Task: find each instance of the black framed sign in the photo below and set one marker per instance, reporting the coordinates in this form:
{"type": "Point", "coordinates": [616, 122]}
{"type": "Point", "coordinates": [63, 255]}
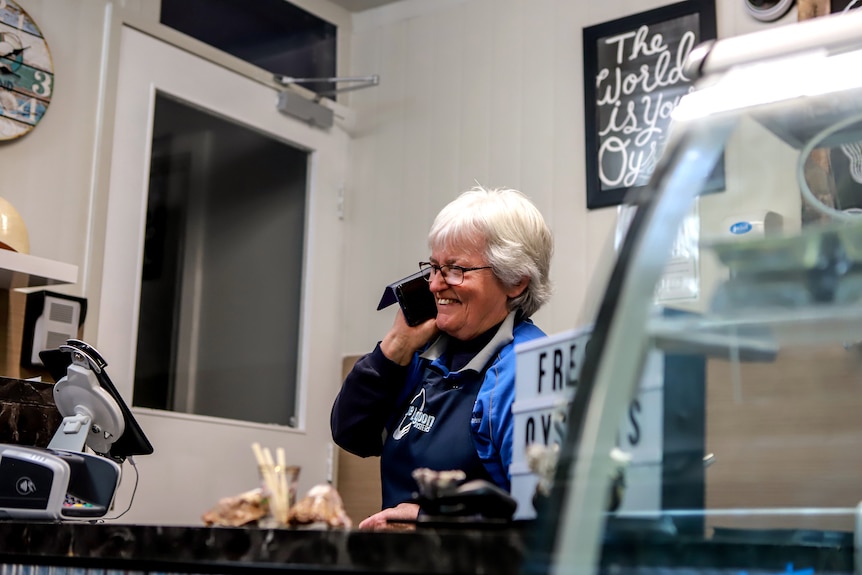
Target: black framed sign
{"type": "Point", "coordinates": [633, 79]}
{"type": "Point", "coordinates": [844, 5]}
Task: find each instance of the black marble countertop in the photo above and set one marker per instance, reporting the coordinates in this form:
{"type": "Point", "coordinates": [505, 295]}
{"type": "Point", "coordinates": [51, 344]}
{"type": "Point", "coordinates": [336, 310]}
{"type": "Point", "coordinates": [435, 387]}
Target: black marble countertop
{"type": "Point", "coordinates": [177, 549]}
{"type": "Point", "coordinates": [28, 415]}
{"type": "Point", "coordinates": [98, 547]}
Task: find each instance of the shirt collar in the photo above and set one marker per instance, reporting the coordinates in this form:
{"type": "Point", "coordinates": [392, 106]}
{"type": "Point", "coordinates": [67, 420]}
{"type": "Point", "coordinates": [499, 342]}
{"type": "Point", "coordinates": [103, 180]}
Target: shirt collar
{"type": "Point", "coordinates": [504, 335]}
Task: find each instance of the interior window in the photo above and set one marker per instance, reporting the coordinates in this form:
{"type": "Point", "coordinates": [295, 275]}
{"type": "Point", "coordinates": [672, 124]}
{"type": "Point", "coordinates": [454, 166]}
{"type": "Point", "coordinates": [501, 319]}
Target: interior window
{"type": "Point", "coordinates": [222, 269]}
{"type": "Point", "coordinates": [272, 34]}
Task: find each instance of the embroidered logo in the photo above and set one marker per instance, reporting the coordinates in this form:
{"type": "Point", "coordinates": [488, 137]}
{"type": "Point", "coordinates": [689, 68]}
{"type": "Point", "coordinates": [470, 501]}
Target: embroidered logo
{"type": "Point", "coordinates": [415, 417]}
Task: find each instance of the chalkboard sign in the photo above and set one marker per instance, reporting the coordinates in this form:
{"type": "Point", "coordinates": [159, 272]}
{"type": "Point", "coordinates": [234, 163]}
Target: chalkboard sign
{"type": "Point", "coordinates": [844, 5]}
{"type": "Point", "coordinates": [633, 79]}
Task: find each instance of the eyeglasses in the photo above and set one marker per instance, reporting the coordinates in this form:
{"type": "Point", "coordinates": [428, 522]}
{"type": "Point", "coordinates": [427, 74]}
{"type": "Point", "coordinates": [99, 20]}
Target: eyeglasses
{"type": "Point", "coordinates": [452, 275]}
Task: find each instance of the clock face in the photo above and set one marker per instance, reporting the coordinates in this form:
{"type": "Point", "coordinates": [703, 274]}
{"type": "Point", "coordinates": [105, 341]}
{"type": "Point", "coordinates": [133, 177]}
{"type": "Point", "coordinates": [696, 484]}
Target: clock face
{"type": "Point", "coordinates": [26, 72]}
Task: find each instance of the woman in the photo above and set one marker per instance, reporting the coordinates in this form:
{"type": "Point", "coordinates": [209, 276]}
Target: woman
{"type": "Point", "coordinates": [439, 395]}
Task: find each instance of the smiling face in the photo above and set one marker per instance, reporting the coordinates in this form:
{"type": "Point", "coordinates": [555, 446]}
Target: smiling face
{"type": "Point", "coordinates": [468, 310]}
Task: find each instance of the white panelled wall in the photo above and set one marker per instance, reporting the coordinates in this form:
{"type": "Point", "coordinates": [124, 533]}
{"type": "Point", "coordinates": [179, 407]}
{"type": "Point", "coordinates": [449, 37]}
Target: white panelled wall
{"type": "Point", "coordinates": [486, 91]}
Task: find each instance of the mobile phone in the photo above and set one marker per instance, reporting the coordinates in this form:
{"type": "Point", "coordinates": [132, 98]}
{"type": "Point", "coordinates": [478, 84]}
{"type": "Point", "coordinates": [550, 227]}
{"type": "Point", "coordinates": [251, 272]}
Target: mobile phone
{"type": "Point", "coordinates": [416, 300]}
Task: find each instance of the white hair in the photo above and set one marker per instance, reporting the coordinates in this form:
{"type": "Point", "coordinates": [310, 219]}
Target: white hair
{"type": "Point", "coordinates": [511, 233]}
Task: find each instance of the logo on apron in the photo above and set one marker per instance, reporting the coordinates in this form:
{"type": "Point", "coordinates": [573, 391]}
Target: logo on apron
{"type": "Point", "coordinates": [415, 417]}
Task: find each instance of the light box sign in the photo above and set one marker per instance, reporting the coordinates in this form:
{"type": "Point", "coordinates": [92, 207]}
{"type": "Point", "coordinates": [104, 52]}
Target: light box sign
{"type": "Point", "coordinates": [546, 375]}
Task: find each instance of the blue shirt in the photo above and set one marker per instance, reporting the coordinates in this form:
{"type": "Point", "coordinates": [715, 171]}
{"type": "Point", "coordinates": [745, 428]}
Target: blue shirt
{"type": "Point", "coordinates": [377, 394]}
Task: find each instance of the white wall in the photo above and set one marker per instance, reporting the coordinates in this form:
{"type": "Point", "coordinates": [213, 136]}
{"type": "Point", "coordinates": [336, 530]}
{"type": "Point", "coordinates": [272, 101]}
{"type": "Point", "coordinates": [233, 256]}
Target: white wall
{"type": "Point", "coordinates": [475, 90]}
{"type": "Point", "coordinates": [62, 167]}
{"type": "Point", "coordinates": [211, 459]}
{"type": "Point", "coordinates": [53, 165]}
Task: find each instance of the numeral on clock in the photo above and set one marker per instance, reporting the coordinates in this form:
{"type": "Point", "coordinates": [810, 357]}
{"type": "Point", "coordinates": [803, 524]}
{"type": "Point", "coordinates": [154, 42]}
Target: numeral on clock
{"type": "Point", "coordinates": [43, 85]}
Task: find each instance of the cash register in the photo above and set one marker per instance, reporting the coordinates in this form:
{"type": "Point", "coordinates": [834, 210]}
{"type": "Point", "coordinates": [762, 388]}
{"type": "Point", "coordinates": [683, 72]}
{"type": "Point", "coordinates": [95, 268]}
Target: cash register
{"type": "Point", "coordinates": [77, 475]}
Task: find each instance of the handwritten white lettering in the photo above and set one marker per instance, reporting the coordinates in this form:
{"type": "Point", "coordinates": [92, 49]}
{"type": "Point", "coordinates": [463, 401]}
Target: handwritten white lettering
{"type": "Point", "coordinates": [631, 162]}
{"type": "Point", "coordinates": [639, 84]}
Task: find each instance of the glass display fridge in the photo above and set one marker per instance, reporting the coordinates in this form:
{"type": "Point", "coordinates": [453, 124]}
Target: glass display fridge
{"type": "Point", "coordinates": [755, 207]}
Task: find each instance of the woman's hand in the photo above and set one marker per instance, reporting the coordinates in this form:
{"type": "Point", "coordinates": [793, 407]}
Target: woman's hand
{"type": "Point", "coordinates": [380, 521]}
{"type": "Point", "coordinates": [402, 341]}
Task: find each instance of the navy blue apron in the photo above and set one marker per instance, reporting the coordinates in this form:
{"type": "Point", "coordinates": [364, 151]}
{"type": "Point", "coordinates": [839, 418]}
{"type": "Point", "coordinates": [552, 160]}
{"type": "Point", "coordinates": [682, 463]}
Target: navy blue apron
{"type": "Point", "coordinates": [433, 432]}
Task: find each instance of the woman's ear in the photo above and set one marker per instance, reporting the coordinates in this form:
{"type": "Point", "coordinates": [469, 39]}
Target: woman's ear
{"type": "Point", "coordinates": [518, 288]}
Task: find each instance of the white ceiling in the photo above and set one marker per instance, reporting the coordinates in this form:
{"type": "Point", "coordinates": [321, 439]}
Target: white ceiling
{"type": "Point", "coordinates": [360, 5]}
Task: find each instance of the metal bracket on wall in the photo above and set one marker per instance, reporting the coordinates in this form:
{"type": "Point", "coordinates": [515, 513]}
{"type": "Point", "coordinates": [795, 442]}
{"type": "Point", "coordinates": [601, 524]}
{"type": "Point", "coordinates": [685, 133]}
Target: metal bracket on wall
{"type": "Point", "coordinates": [359, 82]}
{"type": "Point", "coordinates": [309, 109]}
{"type": "Point", "coordinates": [294, 104]}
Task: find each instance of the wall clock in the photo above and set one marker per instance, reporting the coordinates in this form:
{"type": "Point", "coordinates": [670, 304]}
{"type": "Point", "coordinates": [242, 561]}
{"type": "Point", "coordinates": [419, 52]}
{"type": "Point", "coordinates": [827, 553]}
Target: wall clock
{"type": "Point", "coordinates": [26, 72]}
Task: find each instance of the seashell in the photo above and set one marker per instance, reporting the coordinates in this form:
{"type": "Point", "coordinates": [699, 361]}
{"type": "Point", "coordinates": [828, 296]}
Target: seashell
{"type": "Point", "coordinates": [322, 504]}
{"type": "Point", "coordinates": [433, 484]}
{"type": "Point", "coordinates": [237, 510]}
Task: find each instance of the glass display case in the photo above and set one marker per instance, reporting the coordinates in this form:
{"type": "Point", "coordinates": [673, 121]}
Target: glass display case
{"type": "Point", "coordinates": [759, 470]}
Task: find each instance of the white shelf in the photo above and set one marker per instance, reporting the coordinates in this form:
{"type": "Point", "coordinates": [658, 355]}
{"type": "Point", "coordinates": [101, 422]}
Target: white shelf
{"type": "Point", "coordinates": [23, 270]}
{"type": "Point", "coordinates": [757, 335]}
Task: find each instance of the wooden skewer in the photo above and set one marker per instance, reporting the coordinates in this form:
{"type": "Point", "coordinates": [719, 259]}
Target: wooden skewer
{"type": "Point", "coordinates": [282, 483]}
{"type": "Point", "coordinates": [273, 484]}
{"type": "Point", "coordinates": [258, 454]}
{"type": "Point", "coordinates": [274, 477]}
